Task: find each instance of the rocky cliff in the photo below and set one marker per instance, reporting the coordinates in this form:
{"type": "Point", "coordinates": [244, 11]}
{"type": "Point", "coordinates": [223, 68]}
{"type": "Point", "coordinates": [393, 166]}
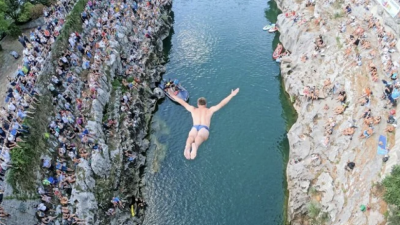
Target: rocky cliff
{"type": "Point", "coordinates": [110, 172]}
{"type": "Point", "coordinates": [321, 190]}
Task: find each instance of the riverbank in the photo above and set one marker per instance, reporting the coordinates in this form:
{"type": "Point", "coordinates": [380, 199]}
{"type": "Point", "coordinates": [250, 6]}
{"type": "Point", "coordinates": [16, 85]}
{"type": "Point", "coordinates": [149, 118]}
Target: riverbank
{"type": "Point", "coordinates": [330, 133]}
{"type": "Point", "coordinates": [93, 147]}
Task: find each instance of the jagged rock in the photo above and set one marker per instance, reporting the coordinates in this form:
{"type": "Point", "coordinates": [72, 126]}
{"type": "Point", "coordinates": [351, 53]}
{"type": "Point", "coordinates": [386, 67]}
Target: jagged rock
{"type": "Point", "coordinates": [101, 164]}
{"type": "Point", "coordinates": [159, 93]}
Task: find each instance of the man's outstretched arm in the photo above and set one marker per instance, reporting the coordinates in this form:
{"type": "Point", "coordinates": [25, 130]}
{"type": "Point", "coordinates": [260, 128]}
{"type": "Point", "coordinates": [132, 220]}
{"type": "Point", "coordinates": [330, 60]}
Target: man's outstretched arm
{"type": "Point", "coordinates": [180, 101]}
{"type": "Point", "coordinates": [224, 101]}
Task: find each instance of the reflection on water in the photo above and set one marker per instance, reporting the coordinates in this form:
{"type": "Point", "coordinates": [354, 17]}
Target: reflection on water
{"type": "Point", "coordinates": [159, 126]}
{"type": "Point", "coordinates": [272, 12]}
{"type": "Point", "coordinates": [194, 45]}
{"type": "Point", "coordinates": [157, 149]}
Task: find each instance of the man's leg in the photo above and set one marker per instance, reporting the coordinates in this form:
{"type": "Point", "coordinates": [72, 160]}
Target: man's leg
{"type": "Point", "coordinates": [202, 136]}
{"type": "Point", "coordinates": [189, 141]}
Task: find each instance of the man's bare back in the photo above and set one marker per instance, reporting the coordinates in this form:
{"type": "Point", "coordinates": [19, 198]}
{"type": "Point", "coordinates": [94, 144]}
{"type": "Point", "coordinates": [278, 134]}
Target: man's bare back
{"type": "Point", "coordinates": [201, 122]}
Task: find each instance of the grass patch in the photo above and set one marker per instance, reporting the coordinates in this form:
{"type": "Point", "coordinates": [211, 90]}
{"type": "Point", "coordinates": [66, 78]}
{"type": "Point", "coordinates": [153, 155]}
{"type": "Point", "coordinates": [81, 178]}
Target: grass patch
{"type": "Point", "coordinates": [338, 4]}
{"type": "Point", "coordinates": [313, 191]}
{"type": "Point", "coordinates": [116, 83]}
{"type": "Point", "coordinates": [26, 158]}
{"type": "Point", "coordinates": [313, 210]}
{"type": "Point", "coordinates": [338, 15]}
{"type": "Point", "coordinates": [72, 23]}
{"type": "Point", "coordinates": [315, 214]}
{"type": "Point", "coordinates": [339, 44]}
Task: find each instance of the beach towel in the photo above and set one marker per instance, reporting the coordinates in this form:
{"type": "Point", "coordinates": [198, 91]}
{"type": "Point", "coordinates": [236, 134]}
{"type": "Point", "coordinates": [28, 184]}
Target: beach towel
{"type": "Point", "coordinates": [382, 145]}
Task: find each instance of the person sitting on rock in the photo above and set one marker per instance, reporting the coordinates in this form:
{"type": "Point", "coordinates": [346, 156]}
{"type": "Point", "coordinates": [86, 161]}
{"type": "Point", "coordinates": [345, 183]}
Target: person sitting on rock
{"type": "Point", "coordinates": [117, 202]}
{"type": "Point", "coordinates": [111, 212]}
{"type": "Point", "coordinates": [141, 204]}
{"type": "Point", "coordinates": [306, 92]}
{"type": "Point", "coordinates": [377, 119]}
{"type": "Point", "coordinates": [131, 156]}
{"type": "Point", "coordinates": [327, 85]}
{"type": "Point", "coordinates": [48, 219]}
{"type": "Point", "coordinates": [3, 213]}
{"type": "Point", "coordinates": [73, 219]}
{"type": "Point", "coordinates": [368, 121]}
{"type": "Point", "coordinates": [367, 133]}
{"type": "Point", "coordinates": [390, 128]}
{"type": "Point", "coordinates": [127, 84]}
{"type": "Point", "coordinates": [64, 200]}
{"type": "Point", "coordinates": [348, 51]}
{"type": "Point", "coordinates": [304, 58]}
{"type": "Point", "coordinates": [314, 94]}
{"type": "Point", "coordinates": [366, 114]}
{"type": "Point", "coordinates": [83, 153]}
{"type": "Point", "coordinates": [371, 54]}
{"type": "Point", "coordinates": [363, 101]}
{"type": "Point", "coordinates": [366, 44]}
{"type": "Point", "coordinates": [342, 96]}
{"type": "Point", "coordinates": [350, 166]}
{"type": "Point", "coordinates": [340, 109]}
{"type": "Point", "coordinates": [349, 131]}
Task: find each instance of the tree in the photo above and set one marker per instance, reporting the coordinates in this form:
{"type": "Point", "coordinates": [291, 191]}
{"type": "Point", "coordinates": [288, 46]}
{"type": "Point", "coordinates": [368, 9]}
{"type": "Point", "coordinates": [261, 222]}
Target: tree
{"type": "Point", "coordinates": [11, 8]}
{"type": "Point", "coordinates": [4, 23]}
{"type": "Point", "coordinates": [43, 2]}
{"type": "Point", "coordinates": [392, 187]}
{"type": "Point", "coordinates": [25, 14]}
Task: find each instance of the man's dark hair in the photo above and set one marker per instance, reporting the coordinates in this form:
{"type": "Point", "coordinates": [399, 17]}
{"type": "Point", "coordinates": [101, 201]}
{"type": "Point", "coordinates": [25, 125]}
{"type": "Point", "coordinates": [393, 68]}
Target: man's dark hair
{"type": "Point", "coordinates": [201, 101]}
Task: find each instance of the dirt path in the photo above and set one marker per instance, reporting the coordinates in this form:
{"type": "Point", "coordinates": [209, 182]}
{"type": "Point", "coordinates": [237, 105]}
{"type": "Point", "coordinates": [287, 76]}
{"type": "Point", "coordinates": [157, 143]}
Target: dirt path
{"type": "Point", "coordinates": [8, 65]}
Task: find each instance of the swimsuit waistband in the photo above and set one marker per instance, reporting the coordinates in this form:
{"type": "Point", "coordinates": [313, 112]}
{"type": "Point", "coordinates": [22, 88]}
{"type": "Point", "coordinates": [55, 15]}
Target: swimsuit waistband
{"type": "Point", "coordinates": [198, 127]}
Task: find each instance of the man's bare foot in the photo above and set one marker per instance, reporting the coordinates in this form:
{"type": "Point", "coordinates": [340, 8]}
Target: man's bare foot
{"type": "Point", "coordinates": [187, 152]}
{"type": "Point", "coordinates": [194, 151]}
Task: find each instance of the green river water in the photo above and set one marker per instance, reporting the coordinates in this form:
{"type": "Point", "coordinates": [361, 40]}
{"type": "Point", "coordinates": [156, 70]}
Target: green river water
{"type": "Point", "coordinates": [238, 176]}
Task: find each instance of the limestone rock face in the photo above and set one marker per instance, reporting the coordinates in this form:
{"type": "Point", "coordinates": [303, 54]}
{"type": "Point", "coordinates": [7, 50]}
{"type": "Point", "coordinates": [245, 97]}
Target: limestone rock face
{"type": "Point", "coordinates": [101, 164]}
{"type": "Point", "coordinates": [316, 169]}
{"type": "Point", "coordinates": [109, 172]}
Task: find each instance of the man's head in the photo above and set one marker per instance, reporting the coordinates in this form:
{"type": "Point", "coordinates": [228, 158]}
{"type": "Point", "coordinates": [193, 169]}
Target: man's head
{"type": "Point", "coordinates": [201, 102]}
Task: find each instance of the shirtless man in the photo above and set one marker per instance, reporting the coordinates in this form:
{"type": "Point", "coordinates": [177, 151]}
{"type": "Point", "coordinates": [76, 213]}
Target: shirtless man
{"type": "Point", "coordinates": [201, 122]}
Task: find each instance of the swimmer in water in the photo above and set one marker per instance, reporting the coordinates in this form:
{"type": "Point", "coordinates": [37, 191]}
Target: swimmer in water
{"type": "Point", "coordinates": [201, 122]}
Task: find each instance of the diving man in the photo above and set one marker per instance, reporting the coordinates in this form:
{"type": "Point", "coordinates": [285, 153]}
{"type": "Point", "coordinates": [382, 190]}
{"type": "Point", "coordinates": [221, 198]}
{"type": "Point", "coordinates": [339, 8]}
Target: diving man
{"type": "Point", "coordinates": [201, 122]}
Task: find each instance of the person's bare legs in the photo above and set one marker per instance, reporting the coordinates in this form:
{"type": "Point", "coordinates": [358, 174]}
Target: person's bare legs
{"type": "Point", "coordinates": [189, 141]}
{"type": "Point", "coordinates": [202, 136]}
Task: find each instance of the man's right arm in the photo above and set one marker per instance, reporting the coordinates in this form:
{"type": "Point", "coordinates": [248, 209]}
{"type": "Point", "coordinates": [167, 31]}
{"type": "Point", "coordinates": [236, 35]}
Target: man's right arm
{"type": "Point", "coordinates": [224, 101]}
{"type": "Point", "coordinates": [181, 102]}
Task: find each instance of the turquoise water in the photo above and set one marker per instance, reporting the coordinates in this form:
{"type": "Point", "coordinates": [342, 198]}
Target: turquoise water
{"type": "Point", "coordinates": [238, 176]}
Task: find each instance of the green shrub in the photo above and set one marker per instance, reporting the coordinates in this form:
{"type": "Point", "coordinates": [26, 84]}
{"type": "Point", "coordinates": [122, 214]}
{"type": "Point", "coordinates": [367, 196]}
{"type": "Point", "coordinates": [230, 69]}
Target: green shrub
{"type": "Point", "coordinates": [392, 194]}
{"type": "Point", "coordinates": [13, 30]}
{"type": "Point", "coordinates": [36, 11]}
{"type": "Point", "coordinates": [393, 217]}
{"type": "Point", "coordinates": [73, 23]}
{"type": "Point", "coordinates": [392, 187]}
{"type": "Point", "coordinates": [25, 14]}
{"type": "Point", "coordinates": [26, 158]}
{"type": "Point", "coordinates": [313, 210]}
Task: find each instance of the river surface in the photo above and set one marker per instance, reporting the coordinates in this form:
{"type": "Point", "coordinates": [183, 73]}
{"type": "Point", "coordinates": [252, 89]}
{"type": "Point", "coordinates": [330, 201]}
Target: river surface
{"type": "Point", "coordinates": [238, 176]}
